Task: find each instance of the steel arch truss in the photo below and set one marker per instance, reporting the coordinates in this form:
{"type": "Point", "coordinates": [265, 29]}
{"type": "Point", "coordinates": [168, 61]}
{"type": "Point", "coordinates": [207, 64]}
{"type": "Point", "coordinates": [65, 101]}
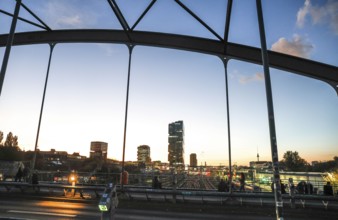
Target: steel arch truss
{"type": "Point", "coordinates": [127, 35]}
{"type": "Point", "coordinates": [309, 68]}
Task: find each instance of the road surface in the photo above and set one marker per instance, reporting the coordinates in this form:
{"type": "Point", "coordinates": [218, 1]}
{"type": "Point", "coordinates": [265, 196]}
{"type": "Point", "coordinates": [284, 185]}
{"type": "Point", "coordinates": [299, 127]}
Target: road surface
{"type": "Point", "coordinates": [29, 207]}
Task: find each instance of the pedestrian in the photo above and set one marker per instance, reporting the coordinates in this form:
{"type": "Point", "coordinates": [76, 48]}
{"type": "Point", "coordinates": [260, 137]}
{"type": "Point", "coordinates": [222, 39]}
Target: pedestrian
{"type": "Point", "coordinates": [242, 182]}
{"type": "Point", "coordinates": [222, 186]}
{"type": "Point", "coordinates": [302, 187]}
{"type": "Point", "coordinates": [282, 187]}
{"type": "Point", "coordinates": [25, 173]}
{"type": "Point", "coordinates": [309, 188]}
{"type": "Point", "coordinates": [35, 180]}
{"type": "Point", "coordinates": [306, 191]}
{"type": "Point", "coordinates": [328, 191]}
{"type": "Point", "coordinates": [156, 183]}
{"type": "Point", "coordinates": [291, 187]}
{"type": "Point", "coordinates": [18, 175]}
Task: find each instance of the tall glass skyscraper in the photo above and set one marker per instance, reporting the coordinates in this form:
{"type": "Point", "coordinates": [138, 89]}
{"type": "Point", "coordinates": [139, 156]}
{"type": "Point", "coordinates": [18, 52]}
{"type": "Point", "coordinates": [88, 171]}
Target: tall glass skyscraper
{"type": "Point", "coordinates": [176, 144]}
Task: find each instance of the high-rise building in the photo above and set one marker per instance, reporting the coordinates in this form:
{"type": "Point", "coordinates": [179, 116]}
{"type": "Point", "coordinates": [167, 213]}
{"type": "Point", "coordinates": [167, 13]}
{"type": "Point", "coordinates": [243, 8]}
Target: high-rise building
{"type": "Point", "coordinates": [193, 160]}
{"type": "Point", "coordinates": [176, 144]}
{"type": "Point", "coordinates": [143, 154]}
{"type": "Point", "coordinates": [98, 150]}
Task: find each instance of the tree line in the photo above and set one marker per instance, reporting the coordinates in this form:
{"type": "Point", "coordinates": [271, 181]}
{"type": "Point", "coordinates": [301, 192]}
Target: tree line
{"type": "Point", "coordinates": [293, 162]}
{"type": "Point", "coordinates": [9, 148]}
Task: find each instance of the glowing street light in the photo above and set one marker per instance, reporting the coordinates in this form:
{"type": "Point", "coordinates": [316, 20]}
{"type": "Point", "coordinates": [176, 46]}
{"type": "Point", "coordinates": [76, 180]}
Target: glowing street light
{"type": "Point", "coordinates": [72, 179]}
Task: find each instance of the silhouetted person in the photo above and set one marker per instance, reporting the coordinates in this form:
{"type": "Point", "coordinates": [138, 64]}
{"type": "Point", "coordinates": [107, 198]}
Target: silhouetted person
{"type": "Point", "coordinates": [291, 187]}
{"type": "Point", "coordinates": [222, 186]}
{"type": "Point", "coordinates": [309, 188]}
{"type": "Point", "coordinates": [25, 173]}
{"type": "Point", "coordinates": [272, 186]}
{"type": "Point", "coordinates": [18, 175]}
{"type": "Point", "coordinates": [302, 188]}
{"type": "Point", "coordinates": [35, 180]}
{"type": "Point", "coordinates": [282, 187]}
{"type": "Point", "coordinates": [156, 183]}
{"type": "Point", "coordinates": [242, 182]}
{"type": "Point", "coordinates": [328, 191]}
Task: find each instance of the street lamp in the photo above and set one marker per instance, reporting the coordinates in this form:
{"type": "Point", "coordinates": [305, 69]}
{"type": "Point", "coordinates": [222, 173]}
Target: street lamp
{"type": "Point", "coordinates": [72, 179]}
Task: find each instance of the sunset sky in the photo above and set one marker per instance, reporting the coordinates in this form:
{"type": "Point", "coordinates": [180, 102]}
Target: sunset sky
{"type": "Point", "coordinates": [86, 93]}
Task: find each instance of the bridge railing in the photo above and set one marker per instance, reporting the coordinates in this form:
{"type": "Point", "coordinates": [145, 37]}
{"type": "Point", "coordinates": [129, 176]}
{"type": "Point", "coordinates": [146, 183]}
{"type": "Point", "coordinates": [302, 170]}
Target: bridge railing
{"type": "Point", "coordinates": [169, 181]}
{"type": "Point", "coordinates": [180, 195]}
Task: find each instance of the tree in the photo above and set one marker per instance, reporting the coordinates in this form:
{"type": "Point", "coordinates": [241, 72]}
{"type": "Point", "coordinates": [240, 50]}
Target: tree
{"type": "Point", "coordinates": [10, 149]}
{"type": "Point", "coordinates": [1, 137]}
{"type": "Point", "coordinates": [293, 162]}
{"type": "Point", "coordinates": [11, 141]}
{"type": "Point", "coordinates": [326, 166]}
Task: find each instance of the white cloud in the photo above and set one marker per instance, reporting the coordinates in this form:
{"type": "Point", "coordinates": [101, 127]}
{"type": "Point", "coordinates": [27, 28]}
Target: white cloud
{"type": "Point", "coordinates": [326, 14]}
{"type": "Point", "coordinates": [301, 15]}
{"type": "Point", "coordinates": [333, 13]}
{"type": "Point", "coordinates": [253, 78]}
{"type": "Point", "coordinates": [295, 47]}
{"type": "Point", "coordinates": [74, 20]}
{"type": "Point", "coordinates": [65, 15]}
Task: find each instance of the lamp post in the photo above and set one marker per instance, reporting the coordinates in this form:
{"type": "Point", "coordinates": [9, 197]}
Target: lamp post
{"type": "Point", "coordinates": [72, 179]}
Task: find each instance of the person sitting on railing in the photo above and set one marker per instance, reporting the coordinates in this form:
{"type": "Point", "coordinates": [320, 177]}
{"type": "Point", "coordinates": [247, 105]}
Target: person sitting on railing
{"type": "Point", "coordinates": [222, 186]}
{"type": "Point", "coordinates": [328, 191]}
{"type": "Point", "coordinates": [156, 183]}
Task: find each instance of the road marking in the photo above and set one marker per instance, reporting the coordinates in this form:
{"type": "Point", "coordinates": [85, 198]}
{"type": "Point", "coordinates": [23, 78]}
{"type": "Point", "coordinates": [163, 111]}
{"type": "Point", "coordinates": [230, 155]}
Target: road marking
{"type": "Point", "coordinates": [41, 213]}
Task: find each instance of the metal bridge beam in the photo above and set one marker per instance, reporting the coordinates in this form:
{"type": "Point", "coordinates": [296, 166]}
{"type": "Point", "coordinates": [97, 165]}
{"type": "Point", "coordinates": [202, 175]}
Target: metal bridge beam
{"type": "Point", "coordinates": [309, 68]}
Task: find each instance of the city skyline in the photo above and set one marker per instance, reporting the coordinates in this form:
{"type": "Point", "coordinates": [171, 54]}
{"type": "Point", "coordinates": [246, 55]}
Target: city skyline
{"type": "Point", "coordinates": [86, 92]}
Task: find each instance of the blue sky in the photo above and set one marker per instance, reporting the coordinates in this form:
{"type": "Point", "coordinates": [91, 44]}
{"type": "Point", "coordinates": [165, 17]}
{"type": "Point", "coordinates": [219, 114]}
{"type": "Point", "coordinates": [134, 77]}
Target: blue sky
{"type": "Point", "coordinates": [86, 93]}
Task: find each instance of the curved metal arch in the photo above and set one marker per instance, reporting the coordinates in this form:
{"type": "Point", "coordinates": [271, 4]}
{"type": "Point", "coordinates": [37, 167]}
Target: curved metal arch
{"type": "Point", "coordinates": [309, 68]}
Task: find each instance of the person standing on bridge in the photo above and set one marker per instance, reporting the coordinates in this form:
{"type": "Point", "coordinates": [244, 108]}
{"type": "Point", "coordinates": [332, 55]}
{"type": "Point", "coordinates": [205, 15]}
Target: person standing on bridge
{"type": "Point", "coordinates": [282, 187]}
{"type": "Point", "coordinates": [18, 175]}
{"type": "Point", "coordinates": [156, 183]}
{"type": "Point", "coordinates": [25, 173]}
{"type": "Point", "coordinates": [35, 181]}
{"type": "Point", "coordinates": [328, 191]}
{"type": "Point", "coordinates": [222, 186]}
